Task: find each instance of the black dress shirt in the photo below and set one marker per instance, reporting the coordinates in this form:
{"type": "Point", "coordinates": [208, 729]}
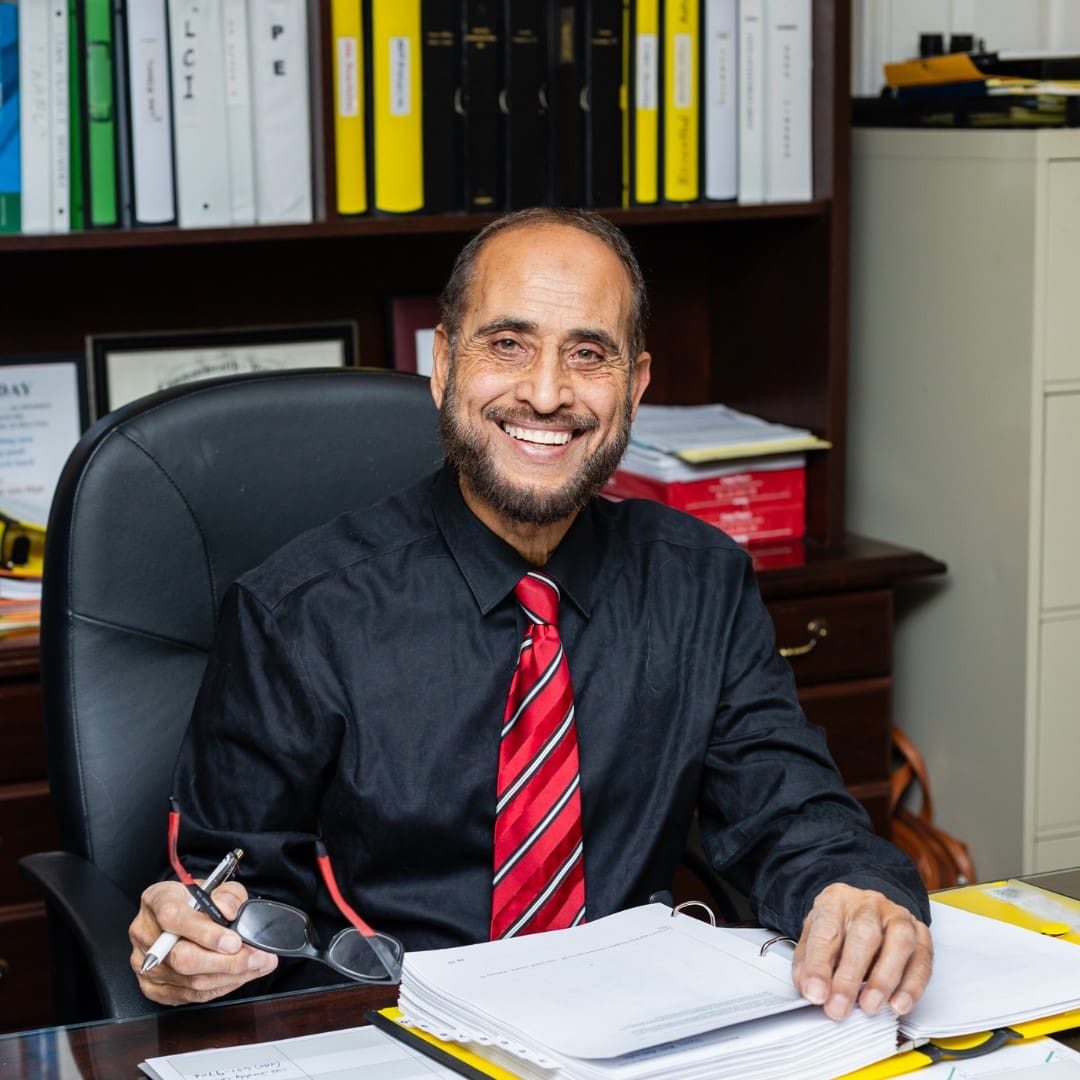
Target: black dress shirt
{"type": "Point", "coordinates": [357, 687]}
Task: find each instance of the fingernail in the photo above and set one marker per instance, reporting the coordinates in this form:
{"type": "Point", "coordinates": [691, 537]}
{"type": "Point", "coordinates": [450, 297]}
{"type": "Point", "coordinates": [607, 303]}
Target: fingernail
{"type": "Point", "coordinates": [229, 942]}
{"type": "Point", "coordinates": [258, 962]}
{"type": "Point", "coordinates": [901, 1003]}
{"type": "Point", "coordinates": [837, 1007]}
{"type": "Point", "coordinates": [871, 1001]}
{"type": "Point", "coordinates": [815, 991]}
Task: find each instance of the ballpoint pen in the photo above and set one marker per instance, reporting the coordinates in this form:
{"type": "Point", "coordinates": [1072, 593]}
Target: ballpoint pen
{"type": "Point", "coordinates": [165, 941]}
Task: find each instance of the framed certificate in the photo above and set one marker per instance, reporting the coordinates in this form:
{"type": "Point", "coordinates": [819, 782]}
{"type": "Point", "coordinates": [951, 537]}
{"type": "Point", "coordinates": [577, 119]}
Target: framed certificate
{"type": "Point", "coordinates": [43, 411]}
{"type": "Point", "coordinates": [124, 367]}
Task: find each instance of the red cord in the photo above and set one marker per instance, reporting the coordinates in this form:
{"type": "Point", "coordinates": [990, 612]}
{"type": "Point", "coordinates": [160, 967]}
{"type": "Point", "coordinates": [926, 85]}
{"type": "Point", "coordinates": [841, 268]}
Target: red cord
{"type": "Point", "coordinates": [342, 904]}
{"type": "Point", "coordinates": [174, 857]}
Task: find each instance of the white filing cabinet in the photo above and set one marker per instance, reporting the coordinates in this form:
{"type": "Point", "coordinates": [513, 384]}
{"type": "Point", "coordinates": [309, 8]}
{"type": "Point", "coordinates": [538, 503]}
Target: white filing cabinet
{"type": "Point", "coordinates": [964, 441]}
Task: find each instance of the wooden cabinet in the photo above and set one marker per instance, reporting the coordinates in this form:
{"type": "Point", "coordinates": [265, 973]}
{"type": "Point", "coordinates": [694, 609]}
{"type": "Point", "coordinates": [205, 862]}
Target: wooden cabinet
{"type": "Point", "coordinates": [965, 437]}
{"type": "Point", "coordinates": [26, 825]}
{"type": "Point", "coordinates": [749, 307]}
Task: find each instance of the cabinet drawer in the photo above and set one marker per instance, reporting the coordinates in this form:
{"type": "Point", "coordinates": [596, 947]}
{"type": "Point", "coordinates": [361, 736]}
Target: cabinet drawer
{"type": "Point", "coordinates": [857, 638]}
{"type": "Point", "coordinates": [22, 732]}
{"type": "Point", "coordinates": [855, 717]}
{"type": "Point", "coordinates": [26, 825]}
{"type": "Point", "coordinates": [25, 994]}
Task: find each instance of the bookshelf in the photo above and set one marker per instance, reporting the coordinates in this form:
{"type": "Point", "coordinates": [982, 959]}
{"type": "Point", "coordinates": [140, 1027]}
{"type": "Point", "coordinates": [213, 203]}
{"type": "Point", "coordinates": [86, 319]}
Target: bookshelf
{"type": "Point", "coordinates": [749, 307]}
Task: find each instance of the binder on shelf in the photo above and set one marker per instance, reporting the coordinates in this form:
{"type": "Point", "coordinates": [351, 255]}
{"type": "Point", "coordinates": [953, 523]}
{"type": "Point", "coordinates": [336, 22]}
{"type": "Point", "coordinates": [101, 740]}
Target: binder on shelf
{"type": "Point", "coordinates": [720, 114]}
{"type": "Point", "coordinates": [789, 158]}
{"type": "Point", "coordinates": [150, 110]}
{"type": "Point", "coordinates": [98, 114]}
{"type": "Point", "coordinates": [350, 150]}
{"type": "Point", "coordinates": [200, 127]}
{"type": "Point", "coordinates": [238, 110]}
{"type": "Point", "coordinates": [34, 115]}
{"type": "Point", "coordinates": [681, 44]}
{"type": "Point", "coordinates": [566, 172]}
{"type": "Point", "coordinates": [523, 103]}
{"type": "Point", "coordinates": [482, 124]}
{"type": "Point", "coordinates": [281, 111]}
{"type": "Point", "coordinates": [751, 101]}
{"type": "Point", "coordinates": [10, 169]}
{"type": "Point", "coordinates": [444, 183]}
{"type": "Point", "coordinates": [396, 124]}
{"type": "Point", "coordinates": [59, 119]}
{"type": "Point", "coordinates": [76, 99]}
{"type": "Point", "coordinates": [602, 52]}
{"type": "Point", "coordinates": [125, 181]}
{"type": "Point", "coordinates": [643, 115]}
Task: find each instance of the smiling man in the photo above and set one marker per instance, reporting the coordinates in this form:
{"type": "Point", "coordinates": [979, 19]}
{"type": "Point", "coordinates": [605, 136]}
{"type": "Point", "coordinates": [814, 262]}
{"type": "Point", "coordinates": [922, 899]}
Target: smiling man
{"type": "Point", "coordinates": [499, 700]}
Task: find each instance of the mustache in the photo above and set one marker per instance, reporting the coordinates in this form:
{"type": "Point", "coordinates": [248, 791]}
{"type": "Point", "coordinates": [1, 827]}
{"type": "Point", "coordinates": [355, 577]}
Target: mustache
{"type": "Point", "coordinates": [562, 419]}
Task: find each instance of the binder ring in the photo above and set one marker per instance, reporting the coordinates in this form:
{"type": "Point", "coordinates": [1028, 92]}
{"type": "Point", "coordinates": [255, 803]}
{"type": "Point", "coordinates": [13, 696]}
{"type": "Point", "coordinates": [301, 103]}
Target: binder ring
{"type": "Point", "coordinates": [773, 940]}
{"type": "Point", "coordinates": [694, 903]}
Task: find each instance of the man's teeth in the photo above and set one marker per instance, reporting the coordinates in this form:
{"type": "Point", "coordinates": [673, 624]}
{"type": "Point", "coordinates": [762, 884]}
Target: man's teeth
{"type": "Point", "coordinates": [538, 435]}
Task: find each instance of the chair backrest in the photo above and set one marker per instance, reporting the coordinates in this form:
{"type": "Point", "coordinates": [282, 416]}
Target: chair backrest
{"type": "Point", "coordinates": [160, 507]}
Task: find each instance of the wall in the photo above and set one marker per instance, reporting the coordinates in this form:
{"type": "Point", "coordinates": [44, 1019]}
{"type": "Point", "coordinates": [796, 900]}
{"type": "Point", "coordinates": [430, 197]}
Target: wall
{"type": "Point", "coordinates": [885, 30]}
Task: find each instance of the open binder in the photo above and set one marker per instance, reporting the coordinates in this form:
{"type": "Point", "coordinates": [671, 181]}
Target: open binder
{"type": "Point", "coordinates": [995, 982]}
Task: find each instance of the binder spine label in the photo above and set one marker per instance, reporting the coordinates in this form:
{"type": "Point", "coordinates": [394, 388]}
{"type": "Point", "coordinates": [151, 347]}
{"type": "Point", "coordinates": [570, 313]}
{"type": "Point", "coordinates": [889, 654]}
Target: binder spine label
{"type": "Point", "coordinates": [648, 72]}
{"type": "Point", "coordinates": [237, 75]}
{"type": "Point", "coordinates": [400, 77]}
{"type": "Point", "coordinates": [348, 83]}
{"type": "Point", "coordinates": [684, 71]}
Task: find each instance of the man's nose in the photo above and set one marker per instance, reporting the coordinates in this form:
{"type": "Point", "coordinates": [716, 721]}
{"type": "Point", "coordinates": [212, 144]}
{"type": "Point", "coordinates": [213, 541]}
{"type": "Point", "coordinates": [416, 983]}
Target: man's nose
{"type": "Point", "coordinates": [546, 383]}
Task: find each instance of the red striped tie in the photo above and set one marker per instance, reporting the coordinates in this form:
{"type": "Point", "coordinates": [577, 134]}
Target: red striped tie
{"type": "Point", "coordinates": [539, 871]}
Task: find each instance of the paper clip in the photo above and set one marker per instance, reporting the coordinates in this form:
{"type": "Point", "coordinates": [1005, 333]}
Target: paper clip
{"type": "Point", "coordinates": [773, 940]}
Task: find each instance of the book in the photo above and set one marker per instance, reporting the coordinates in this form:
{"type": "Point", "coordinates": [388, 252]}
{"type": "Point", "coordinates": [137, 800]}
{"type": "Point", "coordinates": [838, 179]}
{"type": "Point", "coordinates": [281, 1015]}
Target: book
{"type": "Point", "coordinates": [720, 115]}
{"type": "Point", "coordinates": [396, 123]}
{"type": "Point", "coordinates": [643, 118]}
{"type": "Point", "coordinates": [239, 124]}
{"type": "Point", "coordinates": [59, 118]}
{"type": "Point", "coordinates": [34, 115]}
{"type": "Point", "coordinates": [350, 151]}
{"type": "Point", "coordinates": [125, 179]}
{"type": "Point", "coordinates": [101, 207]}
{"type": "Point", "coordinates": [681, 45]}
{"type": "Point", "coordinates": [76, 98]}
{"type": "Point", "coordinates": [751, 101]}
{"type": "Point", "coordinates": [789, 164]}
{"type": "Point", "coordinates": [444, 184]}
{"type": "Point", "coordinates": [281, 111]}
{"type": "Point", "coordinates": [150, 112]}
{"type": "Point", "coordinates": [10, 169]}
{"type": "Point", "coordinates": [566, 169]}
{"type": "Point", "coordinates": [602, 50]}
{"type": "Point", "coordinates": [200, 126]}
{"type": "Point", "coordinates": [482, 126]}
{"type": "Point", "coordinates": [523, 101]}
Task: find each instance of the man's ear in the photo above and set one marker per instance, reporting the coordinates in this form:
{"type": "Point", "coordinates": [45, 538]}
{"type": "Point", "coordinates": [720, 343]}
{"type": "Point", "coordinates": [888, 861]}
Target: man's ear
{"type": "Point", "coordinates": [440, 364]}
{"type": "Point", "coordinates": [639, 380]}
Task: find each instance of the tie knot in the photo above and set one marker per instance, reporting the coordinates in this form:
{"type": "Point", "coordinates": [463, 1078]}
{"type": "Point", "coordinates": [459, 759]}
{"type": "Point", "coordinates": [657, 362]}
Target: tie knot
{"type": "Point", "coordinates": [539, 597]}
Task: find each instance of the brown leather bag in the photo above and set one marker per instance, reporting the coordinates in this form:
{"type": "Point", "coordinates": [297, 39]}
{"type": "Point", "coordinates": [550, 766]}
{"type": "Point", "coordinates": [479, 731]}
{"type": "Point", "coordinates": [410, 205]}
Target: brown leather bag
{"type": "Point", "coordinates": [941, 859]}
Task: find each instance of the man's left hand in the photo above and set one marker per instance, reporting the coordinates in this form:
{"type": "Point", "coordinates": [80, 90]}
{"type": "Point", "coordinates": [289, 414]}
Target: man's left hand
{"type": "Point", "coordinates": [856, 945]}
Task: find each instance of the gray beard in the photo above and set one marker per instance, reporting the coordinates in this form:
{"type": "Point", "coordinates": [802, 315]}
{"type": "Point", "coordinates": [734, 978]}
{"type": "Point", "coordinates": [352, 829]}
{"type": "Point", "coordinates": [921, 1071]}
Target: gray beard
{"type": "Point", "coordinates": [465, 452]}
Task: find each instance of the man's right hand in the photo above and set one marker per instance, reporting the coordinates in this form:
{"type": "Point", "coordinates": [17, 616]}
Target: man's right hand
{"type": "Point", "coordinates": [208, 961]}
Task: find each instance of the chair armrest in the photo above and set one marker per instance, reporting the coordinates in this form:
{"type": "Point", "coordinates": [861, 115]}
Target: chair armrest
{"type": "Point", "coordinates": [97, 914]}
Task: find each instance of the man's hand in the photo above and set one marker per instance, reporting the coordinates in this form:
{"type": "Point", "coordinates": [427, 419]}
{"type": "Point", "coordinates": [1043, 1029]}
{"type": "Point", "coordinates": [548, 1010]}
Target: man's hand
{"type": "Point", "coordinates": [208, 960]}
{"type": "Point", "coordinates": [855, 935]}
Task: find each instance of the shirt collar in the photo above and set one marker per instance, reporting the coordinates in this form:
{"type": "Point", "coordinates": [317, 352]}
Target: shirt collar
{"type": "Point", "coordinates": [491, 567]}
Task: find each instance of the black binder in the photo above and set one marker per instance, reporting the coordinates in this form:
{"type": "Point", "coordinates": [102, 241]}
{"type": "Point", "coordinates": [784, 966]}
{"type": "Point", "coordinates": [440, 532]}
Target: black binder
{"type": "Point", "coordinates": [603, 55]}
{"type": "Point", "coordinates": [566, 134]}
{"type": "Point", "coordinates": [440, 31]}
{"type": "Point", "coordinates": [523, 102]}
{"type": "Point", "coordinates": [482, 122]}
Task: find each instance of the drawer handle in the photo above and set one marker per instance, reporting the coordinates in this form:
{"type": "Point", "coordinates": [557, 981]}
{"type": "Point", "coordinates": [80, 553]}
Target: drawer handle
{"type": "Point", "coordinates": [817, 629]}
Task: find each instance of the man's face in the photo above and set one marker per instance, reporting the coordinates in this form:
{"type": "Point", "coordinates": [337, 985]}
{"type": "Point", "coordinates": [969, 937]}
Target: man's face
{"type": "Point", "coordinates": [537, 398]}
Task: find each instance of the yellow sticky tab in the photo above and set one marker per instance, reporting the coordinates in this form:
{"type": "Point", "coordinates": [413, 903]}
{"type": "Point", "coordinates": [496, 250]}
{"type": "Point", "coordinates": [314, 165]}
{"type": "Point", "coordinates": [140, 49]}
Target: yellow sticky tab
{"type": "Point", "coordinates": [931, 70]}
{"type": "Point", "coordinates": [1054, 929]}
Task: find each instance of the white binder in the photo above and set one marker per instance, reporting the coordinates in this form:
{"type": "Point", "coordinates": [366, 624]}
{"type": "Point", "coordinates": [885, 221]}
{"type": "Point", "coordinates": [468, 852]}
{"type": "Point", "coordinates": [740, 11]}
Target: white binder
{"type": "Point", "coordinates": [34, 115]}
{"type": "Point", "coordinates": [789, 157]}
{"type": "Point", "coordinates": [59, 120]}
{"type": "Point", "coordinates": [150, 109]}
{"type": "Point", "coordinates": [721, 96]}
{"type": "Point", "coordinates": [200, 132]}
{"type": "Point", "coordinates": [282, 104]}
{"type": "Point", "coordinates": [234, 15]}
{"type": "Point", "coordinates": [751, 101]}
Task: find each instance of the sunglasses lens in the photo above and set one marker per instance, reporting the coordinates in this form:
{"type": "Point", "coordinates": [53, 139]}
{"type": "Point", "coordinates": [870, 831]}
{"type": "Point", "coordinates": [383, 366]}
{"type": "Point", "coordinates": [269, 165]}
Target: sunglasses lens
{"type": "Point", "coordinates": [360, 957]}
{"type": "Point", "coordinates": [273, 926]}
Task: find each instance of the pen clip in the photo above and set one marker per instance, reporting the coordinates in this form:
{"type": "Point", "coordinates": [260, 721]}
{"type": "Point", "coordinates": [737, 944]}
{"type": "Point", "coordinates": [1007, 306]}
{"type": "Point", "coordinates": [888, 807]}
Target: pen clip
{"type": "Point", "coordinates": [204, 903]}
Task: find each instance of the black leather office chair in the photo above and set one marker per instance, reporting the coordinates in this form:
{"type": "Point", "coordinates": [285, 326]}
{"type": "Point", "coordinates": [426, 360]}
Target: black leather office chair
{"type": "Point", "coordinates": [160, 507]}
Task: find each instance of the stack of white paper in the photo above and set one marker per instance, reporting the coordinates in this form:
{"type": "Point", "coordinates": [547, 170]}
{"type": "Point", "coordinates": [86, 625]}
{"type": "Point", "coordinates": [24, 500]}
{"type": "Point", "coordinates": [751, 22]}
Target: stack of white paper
{"type": "Point", "coordinates": [636, 995]}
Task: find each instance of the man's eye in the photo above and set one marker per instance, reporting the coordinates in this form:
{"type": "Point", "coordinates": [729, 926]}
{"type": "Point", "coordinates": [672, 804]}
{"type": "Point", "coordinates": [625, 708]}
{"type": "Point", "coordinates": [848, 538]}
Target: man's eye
{"type": "Point", "coordinates": [506, 344]}
{"type": "Point", "coordinates": [587, 355]}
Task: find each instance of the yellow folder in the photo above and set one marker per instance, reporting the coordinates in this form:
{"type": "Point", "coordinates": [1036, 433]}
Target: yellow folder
{"type": "Point", "coordinates": [681, 76]}
{"type": "Point", "coordinates": [350, 163]}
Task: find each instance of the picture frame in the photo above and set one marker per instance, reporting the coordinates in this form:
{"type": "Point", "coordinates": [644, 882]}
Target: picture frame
{"type": "Point", "coordinates": [412, 319]}
{"type": "Point", "coordinates": [124, 367]}
{"type": "Point", "coordinates": [44, 409]}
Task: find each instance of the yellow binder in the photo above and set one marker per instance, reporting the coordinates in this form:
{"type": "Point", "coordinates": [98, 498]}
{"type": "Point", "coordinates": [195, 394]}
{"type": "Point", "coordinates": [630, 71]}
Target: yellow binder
{"type": "Point", "coordinates": [681, 77]}
{"type": "Point", "coordinates": [398, 149]}
{"type": "Point", "coordinates": [642, 46]}
{"type": "Point", "coordinates": [350, 165]}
